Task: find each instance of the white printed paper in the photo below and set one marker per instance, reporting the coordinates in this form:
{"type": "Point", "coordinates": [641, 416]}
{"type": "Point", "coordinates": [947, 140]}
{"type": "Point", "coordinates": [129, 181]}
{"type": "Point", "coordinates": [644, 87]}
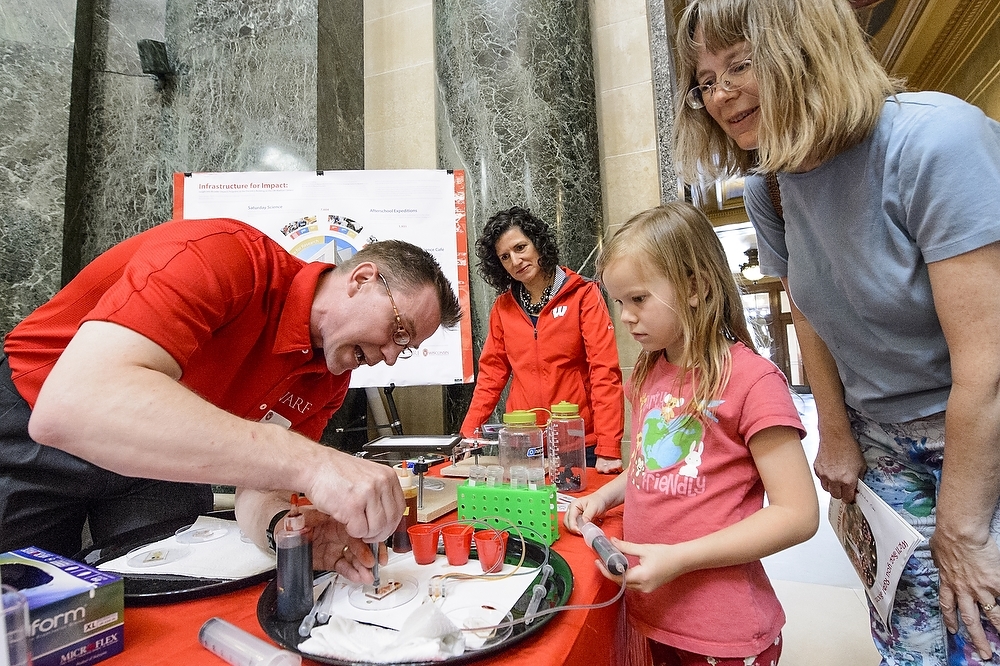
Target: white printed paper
{"type": "Point", "coordinates": [878, 542]}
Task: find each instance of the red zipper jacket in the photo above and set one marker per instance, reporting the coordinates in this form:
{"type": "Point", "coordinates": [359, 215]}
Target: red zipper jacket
{"type": "Point", "coordinates": [569, 354]}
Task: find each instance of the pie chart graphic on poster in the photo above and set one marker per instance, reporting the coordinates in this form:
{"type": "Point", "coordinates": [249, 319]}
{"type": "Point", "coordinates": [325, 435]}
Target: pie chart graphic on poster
{"type": "Point", "coordinates": [328, 238]}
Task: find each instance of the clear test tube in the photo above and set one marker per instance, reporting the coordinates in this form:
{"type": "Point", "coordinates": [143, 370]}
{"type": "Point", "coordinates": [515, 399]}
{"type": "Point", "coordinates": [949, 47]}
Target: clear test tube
{"type": "Point", "coordinates": [477, 475]}
{"type": "Point", "coordinates": [518, 477]}
{"type": "Point", "coordinates": [494, 475]}
{"type": "Point", "coordinates": [536, 478]}
{"type": "Point", "coordinates": [241, 648]}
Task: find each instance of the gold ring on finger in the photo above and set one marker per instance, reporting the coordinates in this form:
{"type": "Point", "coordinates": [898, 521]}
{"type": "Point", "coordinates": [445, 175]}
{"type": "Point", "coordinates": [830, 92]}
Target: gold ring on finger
{"type": "Point", "coordinates": [988, 607]}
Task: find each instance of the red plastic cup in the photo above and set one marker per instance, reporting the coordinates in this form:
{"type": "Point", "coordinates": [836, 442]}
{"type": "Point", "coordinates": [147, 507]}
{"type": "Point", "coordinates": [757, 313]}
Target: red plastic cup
{"type": "Point", "coordinates": [424, 539]}
{"type": "Point", "coordinates": [491, 547]}
{"type": "Point", "coordinates": [457, 542]}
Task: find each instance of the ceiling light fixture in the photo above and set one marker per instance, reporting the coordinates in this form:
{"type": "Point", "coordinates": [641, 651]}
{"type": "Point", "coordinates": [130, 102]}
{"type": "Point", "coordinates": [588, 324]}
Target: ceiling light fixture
{"type": "Point", "coordinates": [751, 269]}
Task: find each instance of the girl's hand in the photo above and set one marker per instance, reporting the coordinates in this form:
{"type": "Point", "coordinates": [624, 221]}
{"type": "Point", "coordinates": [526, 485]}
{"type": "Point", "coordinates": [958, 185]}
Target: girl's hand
{"type": "Point", "coordinates": [658, 564]}
{"type": "Point", "coordinates": [589, 507]}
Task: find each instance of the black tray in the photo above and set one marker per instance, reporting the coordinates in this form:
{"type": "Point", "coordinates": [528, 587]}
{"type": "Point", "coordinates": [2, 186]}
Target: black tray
{"type": "Point", "coordinates": [152, 589]}
{"type": "Point", "coordinates": [558, 586]}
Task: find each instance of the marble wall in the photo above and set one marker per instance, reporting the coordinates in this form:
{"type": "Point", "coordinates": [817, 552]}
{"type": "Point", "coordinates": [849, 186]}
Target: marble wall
{"type": "Point", "coordinates": [518, 108]}
{"type": "Point", "coordinates": [340, 88]}
{"type": "Point", "coordinates": [242, 98]}
{"type": "Point", "coordinates": [90, 142]}
{"type": "Point", "coordinates": [36, 63]}
{"type": "Point", "coordinates": [517, 111]}
{"type": "Point", "coordinates": [663, 77]}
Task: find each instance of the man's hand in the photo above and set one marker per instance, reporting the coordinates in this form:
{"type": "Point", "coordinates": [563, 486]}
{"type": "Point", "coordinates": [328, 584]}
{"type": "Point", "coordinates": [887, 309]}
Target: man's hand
{"type": "Point", "coordinates": [334, 549]}
{"type": "Point", "coordinates": [365, 496]}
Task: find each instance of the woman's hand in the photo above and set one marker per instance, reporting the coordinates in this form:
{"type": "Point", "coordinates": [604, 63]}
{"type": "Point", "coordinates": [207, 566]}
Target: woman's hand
{"type": "Point", "coordinates": [838, 465]}
{"type": "Point", "coordinates": [970, 575]}
{"type": "Point", "coordinates": [608, 465]}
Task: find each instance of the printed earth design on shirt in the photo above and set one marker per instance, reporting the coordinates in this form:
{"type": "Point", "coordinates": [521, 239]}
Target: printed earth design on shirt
{"type": "Point", "coordinates": [666, 439]}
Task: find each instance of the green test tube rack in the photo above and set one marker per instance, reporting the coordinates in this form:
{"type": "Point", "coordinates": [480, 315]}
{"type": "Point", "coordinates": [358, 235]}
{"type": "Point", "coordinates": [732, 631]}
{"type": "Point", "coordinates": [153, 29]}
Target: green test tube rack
{"type": "Point", "coordinates": [532, 511]}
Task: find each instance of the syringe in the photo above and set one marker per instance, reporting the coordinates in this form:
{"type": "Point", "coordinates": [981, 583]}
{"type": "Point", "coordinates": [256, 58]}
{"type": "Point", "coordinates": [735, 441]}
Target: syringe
{"type": "Point", "coordinates": [613, 559]}
{"type": "Point", "coordinates": [538, 593]}
{"type": "Point", "coordinates": [241, 648]}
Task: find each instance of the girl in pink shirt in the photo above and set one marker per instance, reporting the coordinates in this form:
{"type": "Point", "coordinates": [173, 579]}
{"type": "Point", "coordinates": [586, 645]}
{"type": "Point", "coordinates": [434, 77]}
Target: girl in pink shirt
{"type": "Point", "coordinates": [713, 429]}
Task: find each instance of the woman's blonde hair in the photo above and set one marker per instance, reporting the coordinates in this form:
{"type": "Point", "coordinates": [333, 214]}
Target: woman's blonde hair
{"type": "Point", "coordinates": [821, 88]}
{"type": "Point", "coordinates": [677, 241]}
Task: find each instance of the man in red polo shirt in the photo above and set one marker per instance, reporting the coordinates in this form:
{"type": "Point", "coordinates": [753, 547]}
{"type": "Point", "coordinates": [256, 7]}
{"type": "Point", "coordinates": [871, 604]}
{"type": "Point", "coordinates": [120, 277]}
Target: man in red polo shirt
{"type": "Point", "coordinates": [201, 352]}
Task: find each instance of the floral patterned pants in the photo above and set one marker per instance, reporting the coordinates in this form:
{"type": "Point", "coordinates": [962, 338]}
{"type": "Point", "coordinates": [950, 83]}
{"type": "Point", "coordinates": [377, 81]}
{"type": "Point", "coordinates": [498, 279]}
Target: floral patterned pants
{"type": "Point", "coordinates": [904, 469]}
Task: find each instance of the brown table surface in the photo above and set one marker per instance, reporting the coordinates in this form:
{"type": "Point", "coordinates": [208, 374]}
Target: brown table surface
{"type": "Point", "coordinates": [168, 635]}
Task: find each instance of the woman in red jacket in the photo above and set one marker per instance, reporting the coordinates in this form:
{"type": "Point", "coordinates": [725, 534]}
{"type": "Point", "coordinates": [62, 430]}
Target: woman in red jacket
{"type": "Point", "coordinates": [551, 330]}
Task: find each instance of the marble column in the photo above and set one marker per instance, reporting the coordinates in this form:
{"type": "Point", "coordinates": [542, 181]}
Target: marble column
{"type": "Point", "coordinates": [340, 144]}
{"type": "Point", "coordinates": [340, 85]}
{"type": "Point", "coordinates": [36, 63]}
{"type": "Point", "coordinates": [664, 79]}
{"type": "Point", "coordinates": [517, 112]}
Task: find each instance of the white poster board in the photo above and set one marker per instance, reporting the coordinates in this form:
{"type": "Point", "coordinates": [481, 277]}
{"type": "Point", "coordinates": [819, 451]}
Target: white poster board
{"type": "Point", "coordinates": [330, 215]}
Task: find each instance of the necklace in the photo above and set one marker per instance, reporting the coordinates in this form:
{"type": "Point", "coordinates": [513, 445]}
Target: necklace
{"type": "Point", "coordinates": [534, 309]}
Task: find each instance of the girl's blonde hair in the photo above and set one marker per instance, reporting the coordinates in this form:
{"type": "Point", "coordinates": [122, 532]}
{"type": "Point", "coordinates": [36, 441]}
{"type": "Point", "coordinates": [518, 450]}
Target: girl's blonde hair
{"type": "Point", "coordinates": [677, 241]}
{"type": "Point", "coordinates": [821, 88]}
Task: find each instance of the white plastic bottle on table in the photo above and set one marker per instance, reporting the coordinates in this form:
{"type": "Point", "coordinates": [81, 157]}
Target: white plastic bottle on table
{"type": "Point", "coordinates": [521, 442]}
{"type": "Point", "coordinates": [567, 448]}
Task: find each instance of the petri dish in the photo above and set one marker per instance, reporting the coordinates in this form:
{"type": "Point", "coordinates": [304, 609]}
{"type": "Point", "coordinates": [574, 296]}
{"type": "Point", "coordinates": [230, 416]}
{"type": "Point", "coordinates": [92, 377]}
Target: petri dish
{"type": "Point", "coordinates": [479, 625]}
{"type": "Point", "coordinates": [191, 534]}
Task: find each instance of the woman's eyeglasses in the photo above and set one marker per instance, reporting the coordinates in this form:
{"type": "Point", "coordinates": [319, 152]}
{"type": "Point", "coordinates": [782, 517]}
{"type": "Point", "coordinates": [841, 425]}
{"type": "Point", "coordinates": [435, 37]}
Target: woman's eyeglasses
{"type": "Point", "coordinates": [735, 77]}
{"type": "Point", "coordinates": [401, 337]}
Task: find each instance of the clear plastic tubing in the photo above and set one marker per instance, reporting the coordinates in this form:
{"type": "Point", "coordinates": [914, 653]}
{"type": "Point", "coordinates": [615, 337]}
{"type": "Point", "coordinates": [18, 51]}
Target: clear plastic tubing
{"type": "Point", "coordinates": [240, 648]}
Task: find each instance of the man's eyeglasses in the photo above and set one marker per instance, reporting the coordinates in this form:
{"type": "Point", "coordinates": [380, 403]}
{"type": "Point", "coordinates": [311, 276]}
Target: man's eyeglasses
{"type": "Point", "coordinates": [401, 337]}
{"type": "Point", "coordinates": [735, 77]}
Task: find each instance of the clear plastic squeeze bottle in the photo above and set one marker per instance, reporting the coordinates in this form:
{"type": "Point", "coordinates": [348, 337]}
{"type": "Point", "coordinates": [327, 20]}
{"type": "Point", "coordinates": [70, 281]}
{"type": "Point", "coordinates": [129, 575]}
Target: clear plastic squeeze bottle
{"type": "Point", "coordinates": [293, 543]}
{"type": "Point", "coordinates": [521, 442]}
{"type": "Point", "coordinates": [567, 448]}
